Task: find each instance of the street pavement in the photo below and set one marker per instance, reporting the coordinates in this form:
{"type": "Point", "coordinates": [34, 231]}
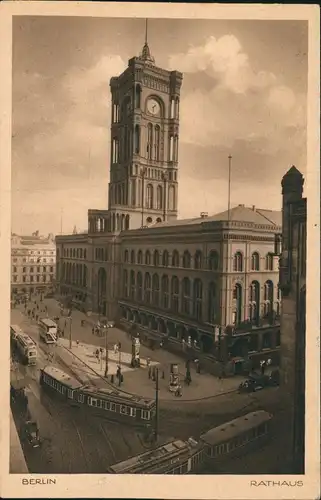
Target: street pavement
{"type": "Point", "coordinates": [73, 443]}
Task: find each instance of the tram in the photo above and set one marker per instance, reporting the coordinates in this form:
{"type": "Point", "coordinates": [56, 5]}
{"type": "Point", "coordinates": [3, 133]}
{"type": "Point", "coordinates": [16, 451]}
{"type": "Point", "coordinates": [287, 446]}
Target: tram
{"type": "Point", "coordinates": [187, 457]}
{"type": "Point", "coordinates": [179, 456]}
{"type": "Point", "coordinates": [108, 403]}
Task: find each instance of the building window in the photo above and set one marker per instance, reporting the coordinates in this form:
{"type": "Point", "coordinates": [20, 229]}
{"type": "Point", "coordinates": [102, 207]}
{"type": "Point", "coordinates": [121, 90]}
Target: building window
{"type": "Point", "coordinates": [237, 297]}
{"type": "Point", "coordinates": [156, 258]}
{"type": "Point", "coordinates": [149, 141]}
{"type": "Point", "coordinates": [31, 279]}
{"type": "Point", "coordinates": [14, 269]}
{"type": "Point", "coordinates": [147, 288]}
{"type": "Point", "coordinates": [212, 303]}
{"type": "Point", "coordinates": [268, 298]}
{"type": "Point", "coordinates": [139, 287]}
{"type": "Point", "coordinates": [254, 302]}
{"type": "Point", "coordinates": [269, 262]}
{"type": "Point", "coordinates": [198, 260]}
{"type": "Point", "coordinates": [15, 279]}
{"type": "Point", "coordinates": [125, 283]}
{"type": "Point", "coordinates": [197, 299]}
{"type": "Point", "coordinates": [24, 279]}
{"type": "Point", "coordinates": [165, 292]}
{"type": "Point", "coordinates": [213, 261]}
{"type": "Point", "coordinates": [132, 285]}
{"type": "Point", "coordinates": [155, 289]}
{"type": "Point", "coordinates": [159, 198]}
{"type": "Point", "coordinates": [186, 296]}
{"type": "Point", "coordinates": [137, 139]}
{"type": "Point", "coordinates": [157, 142]}
{"type": "Point", "coordinates": [186, 260]}
{"type": "Point", "coordinates": [175, 294]}
{"type": "Point", "coordinates": [38, 269]}
{"type": "Point", "coordinates": [140, 257]}
{"type": "Point", "coordinates": [132, 257]}
{"type": "Point", "coordinates": [255, 262]}
{"type": "Point", "coordinates": [126, 256]}
{"type": "Point", "coordinates": [149, 196]}
{"type": "Point", "coordinates": [147, 258]}
{"type": "Point", "coordinates": [175, 259]}
{"type": "Point", "coordinates": [238, 262]}
{"type": "Point", "coordinates": [165, 258]}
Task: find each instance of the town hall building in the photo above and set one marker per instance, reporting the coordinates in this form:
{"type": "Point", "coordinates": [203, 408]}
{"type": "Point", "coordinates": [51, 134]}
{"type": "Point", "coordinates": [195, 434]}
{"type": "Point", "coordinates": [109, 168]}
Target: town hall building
{"type": "Point", "coordinates": [210, 281]}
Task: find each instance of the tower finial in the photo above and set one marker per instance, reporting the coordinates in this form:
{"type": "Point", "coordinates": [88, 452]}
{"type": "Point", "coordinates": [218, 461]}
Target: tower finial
{"type": "Point", "coordinates": [145, 54]}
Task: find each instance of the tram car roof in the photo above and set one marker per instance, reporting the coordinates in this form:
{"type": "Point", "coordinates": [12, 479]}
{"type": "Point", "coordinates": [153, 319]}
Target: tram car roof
{"type": "Point", "coordinates": [235, 427]}
{"type": "Point", "coordinates": [166, 455]}
{"type": "Point", "coordinates": [62, 377]}
{"type": "Point", "coordinates": [118, 396]}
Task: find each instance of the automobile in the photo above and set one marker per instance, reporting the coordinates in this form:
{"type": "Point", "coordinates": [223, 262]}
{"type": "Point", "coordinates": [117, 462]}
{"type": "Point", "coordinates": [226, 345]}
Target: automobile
{"type": "Point", "coordinates": [250, 385]}
{"type": "Point", "coordinates": [31, 433]}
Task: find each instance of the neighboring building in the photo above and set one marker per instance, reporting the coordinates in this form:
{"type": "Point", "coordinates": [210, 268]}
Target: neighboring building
{"type": "Point", "coordinates": [172, 278]}
{"type": "Point", "coordinates": [33, 263]}
{"type": "Point", "coordinates": [293, 317]}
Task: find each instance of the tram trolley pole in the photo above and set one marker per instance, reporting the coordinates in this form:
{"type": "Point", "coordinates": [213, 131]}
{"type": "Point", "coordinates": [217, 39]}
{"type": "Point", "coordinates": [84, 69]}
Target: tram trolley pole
{"type": "Point", "coordinates": [156, 405]}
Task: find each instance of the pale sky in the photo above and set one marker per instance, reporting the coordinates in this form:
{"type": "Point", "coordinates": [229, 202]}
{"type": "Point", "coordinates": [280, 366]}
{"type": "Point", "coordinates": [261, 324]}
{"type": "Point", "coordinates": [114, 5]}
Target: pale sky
{"type": "Point", "coordinates": [244, 93]}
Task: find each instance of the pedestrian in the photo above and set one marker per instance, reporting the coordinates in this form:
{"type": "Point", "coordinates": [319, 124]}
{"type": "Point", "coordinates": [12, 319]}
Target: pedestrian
{"type": "Point", "coordinates": [77, 343]}
{"type": "Point", "coordinates": [63, 332]}
{"type": "Point", "coordinates": [93, 330]}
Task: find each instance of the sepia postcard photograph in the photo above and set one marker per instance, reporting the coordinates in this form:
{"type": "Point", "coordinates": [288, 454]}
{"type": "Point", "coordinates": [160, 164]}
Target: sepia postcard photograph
{"type": "Point", "coordinates": [159, 226]}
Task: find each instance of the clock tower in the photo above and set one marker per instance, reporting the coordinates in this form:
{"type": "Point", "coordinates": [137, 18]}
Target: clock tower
{"type": "Point", "coordinates": [143, 187]}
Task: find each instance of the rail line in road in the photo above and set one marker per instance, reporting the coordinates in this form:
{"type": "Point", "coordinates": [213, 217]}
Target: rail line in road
{"type": "Point", "coordinates": [107, 440]}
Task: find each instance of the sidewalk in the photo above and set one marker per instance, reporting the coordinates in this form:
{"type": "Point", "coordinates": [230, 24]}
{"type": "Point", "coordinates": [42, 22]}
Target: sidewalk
{"type": "Point", "coordinates": [82, 359]}
{"type": "Point", "coordinates": [136, 381]}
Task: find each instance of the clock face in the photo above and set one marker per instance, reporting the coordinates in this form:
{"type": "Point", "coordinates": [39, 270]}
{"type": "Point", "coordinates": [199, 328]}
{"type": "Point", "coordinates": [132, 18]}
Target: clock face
{"type": "Point", "coordinates": [153, 107]}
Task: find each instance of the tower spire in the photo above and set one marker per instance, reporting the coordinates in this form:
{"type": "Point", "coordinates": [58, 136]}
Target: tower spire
{"type": "Point", "coordinates": [146, 54]}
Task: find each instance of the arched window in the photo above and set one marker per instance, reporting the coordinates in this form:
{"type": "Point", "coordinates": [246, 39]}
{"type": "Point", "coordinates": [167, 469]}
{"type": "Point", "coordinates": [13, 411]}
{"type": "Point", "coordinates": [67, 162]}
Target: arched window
{"type": "Point", "coordinates": [175, 152]}
{"type": "Point", "coordinates": [177, 108]}
{"type": "Point", "coordinates": [175, 294]}
{"type": "Point", "coordinates": [165, 292]}
{"type": "Point", "coordinates": [139, 287]}
{"type": "Point", "coordinates": [254, 302]}
{"type": "Point", "coordinates": [165, 258]}
{"type": "Point", "coordinates": [197, 299]}
{"type": "Point", "coordinates": [213, 260]}
{"type": "Point", "coordinates": [171, 148]}
{"type": "Point", "coordinates": [159, 198]}
{"type": "Point", "coordinates": [137, 139]}
{"type": "Point", "coordinates": [198, 260]}
{"type": "Point", "coordinates": [171, 198]}
{"type": "Point", "coordinates": [186, 296]}
{"type": "Point", "coordinates": [132, 285]}
{"type": "Point", "coordinates": [156, 258]}
{"type": "Point", "coordinates": [147, 258]}
{"type": "Point", "coordinates": [132, 256]}
{"type": "Point", "coordinates": [186, 260]}
{"type": "Point", "coordinates": [115, 150]}
{"type": "Point", "coordinates": [155, 289]}
{"type": "Point", "coordinates": [255, 262]}
{"type": "Point", "coordinates": [140, 257]}
{"type": "Point", "coordinates": [138, 91]}
{"type": "Point", "coordinates": [127, 222]}
{"type": "Point", "coordinates": [157, 141]}
{"type": "Point", "coordinates": [268, 298]}
{"type": "Point", "coordinates": [238, 262]}
{"type": "Point", "coordinates": [125, 283]}
{"type": "Point", "coordinates": [149, 196]}
{"type": "Point", "coordinates": [212, 301]}
{"type": "Point", "coordinates": [269, 262]}
{"type": "Point", "coordinates": [237, 310]}
{"type": "Point", "coordinates": [149, 141]}
{"type": "Point", "coordinates": [147, 288]}
{"type": "Point", "coordinates": [175, 259]}
{"type": "Point", "coordinates": [126, 256]}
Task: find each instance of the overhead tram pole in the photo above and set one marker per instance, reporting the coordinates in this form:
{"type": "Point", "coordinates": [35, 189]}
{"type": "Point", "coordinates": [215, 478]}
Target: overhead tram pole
{"type": "Point", "coordinates": [156, 406]}
{"type": "Point", "coordinates": [228, 241]}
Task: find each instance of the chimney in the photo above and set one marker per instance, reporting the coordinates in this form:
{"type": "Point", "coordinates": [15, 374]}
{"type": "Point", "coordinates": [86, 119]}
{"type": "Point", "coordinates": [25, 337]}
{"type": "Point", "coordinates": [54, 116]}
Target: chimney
{"type": "Point", "coordinates": [204, 215]}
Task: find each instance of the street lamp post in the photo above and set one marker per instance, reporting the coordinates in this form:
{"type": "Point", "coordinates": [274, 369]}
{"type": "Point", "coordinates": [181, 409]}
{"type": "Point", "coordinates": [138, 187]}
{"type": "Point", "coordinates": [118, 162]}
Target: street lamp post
{"type": "Point", "coordinates": [70, 337]}
{"type": "Point", "coordinates": [156, 406]}
{"type": "Point", "coordinates": [106, 348]}
{"type": "Point", "coordinates": [119, 363]}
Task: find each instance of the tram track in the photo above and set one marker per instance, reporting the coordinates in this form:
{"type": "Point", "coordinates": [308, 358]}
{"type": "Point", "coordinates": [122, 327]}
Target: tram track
{"type": "Point", "coordinates": [107, 440]}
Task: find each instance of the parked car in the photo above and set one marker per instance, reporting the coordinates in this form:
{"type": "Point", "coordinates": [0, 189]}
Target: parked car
{"type": "Point", "coordinates": [31, 433]}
